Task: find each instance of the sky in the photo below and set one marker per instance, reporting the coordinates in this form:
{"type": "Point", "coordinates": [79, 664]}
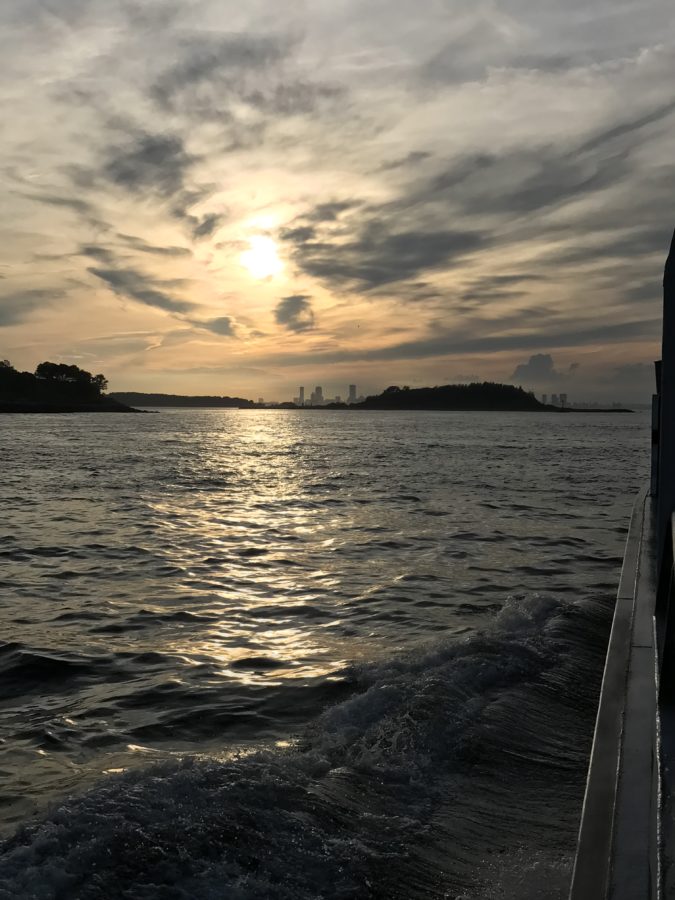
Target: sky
{"type": "Point", "coordinates": [208, 196]}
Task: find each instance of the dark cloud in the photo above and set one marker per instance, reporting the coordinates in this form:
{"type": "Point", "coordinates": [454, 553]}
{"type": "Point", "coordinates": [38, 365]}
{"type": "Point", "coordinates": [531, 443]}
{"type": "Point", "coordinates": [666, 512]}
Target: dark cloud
{"type": "Point", "coordinates": [378, 255]}
{"type": "Point", "coordinates": [137, 286]}
{"type": "Point", "coordinates": [205, 226]}
{"type": "Point", "coordinates": [206, 60]}
{"type": "Point", "coordinates": [223, 325]}
{"type": "Point", "coordinates": [78, 206]}
{"type": "Point", "coordinates": [137, 243]}
{"type": "Point", "coordinates": [414, 158]}
{"type": "Point", "coordinates": [160, 165]}
{"type": "Point", "coordinates": [299, 235]}
{"type": "Point", "coordinates": [295, 313]}
{"type": "Point", "coordinates": [496, 287]}
{"type": "Point", "coordinates": [102, 254]}
{"type": "Point", "coordinates": [149, 162]}
{"type": "Point", "coordinates": [329, 212]}
{"type": "Point", "coordinates": [291, 99]}
{"type": "Point", "coordinates": [619, 241]}
{"type": "Point", "coordinates": [17, 306]}
{"type": "Point", "coordinates": [215, 74]}
{"type": "Point", "coordinates": [629, 126]}
{"type": "Point", "coordinates": [533, 179]}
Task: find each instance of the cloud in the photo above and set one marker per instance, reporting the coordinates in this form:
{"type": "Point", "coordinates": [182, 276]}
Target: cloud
{"type": "Point", "coordinates": [629, 126]}
{"type": "Point", "coordinates": [540, 370]}
{"type": "Point", "coordinates": [206, 61]}
{"type": "Point", "coordinates": [223, 325]}
{"type": "Point", "coordinates": [295, 313]}
{"type": "Point", "coordinates": [102, 254]}
{"type": "Point", "coordinates": [134, 285]}
{"type": "Point", "coordinates": [17, 306]}
{"type": "Point", "coordinates": [488, 288]}
{"type": "Point", "coordinates": [414, 158]}
{"type": "Point", "coordinates": [448, 341]}
{"type": "Point", "coordinates": [149, 162]}
{"type": "Point", "coordinates": [376, 254]}
{"type": "Point", "coordinates": [215, 75]}
{"type": "Point", "coordinates": [206, 226]}
{"type": "Point", "coordinates": [137, 243]}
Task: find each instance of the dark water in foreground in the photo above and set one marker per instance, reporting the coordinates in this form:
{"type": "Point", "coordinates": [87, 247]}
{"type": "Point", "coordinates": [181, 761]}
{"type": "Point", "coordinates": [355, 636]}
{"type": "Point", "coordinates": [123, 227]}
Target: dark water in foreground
{"type": "Point", "coordinates": [360, 651]}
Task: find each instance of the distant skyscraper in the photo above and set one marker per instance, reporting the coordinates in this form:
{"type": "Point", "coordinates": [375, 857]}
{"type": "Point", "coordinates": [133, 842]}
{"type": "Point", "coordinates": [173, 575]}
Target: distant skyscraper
{"type": "Point", "coordinates": [352, 393]}
{"type": "Point", "coordinates": [544, 399]}
{"type": "Point", "coordinates": [563, 400]}
{"type": "Point", "coordinates": [301, 398]}
{"type": "Point", "coordinates": [318, 394]}
{"type": "Point", "coordinates": [554, 400]}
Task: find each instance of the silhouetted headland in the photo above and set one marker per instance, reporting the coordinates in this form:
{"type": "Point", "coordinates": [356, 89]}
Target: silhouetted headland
{"type": "Point", "coordinates": [54, 388]}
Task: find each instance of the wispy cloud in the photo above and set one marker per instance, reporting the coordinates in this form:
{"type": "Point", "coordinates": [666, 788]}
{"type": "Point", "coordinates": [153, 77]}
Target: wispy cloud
{"type": "Point", "coordinates": [18, 306]}
{"type": "Point", "coordinates": [134, 285]}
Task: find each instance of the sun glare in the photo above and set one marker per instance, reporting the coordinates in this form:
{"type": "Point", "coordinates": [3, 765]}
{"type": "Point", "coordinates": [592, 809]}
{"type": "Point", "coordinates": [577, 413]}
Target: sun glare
{"type": "Point", "coordinates": [262, 259]}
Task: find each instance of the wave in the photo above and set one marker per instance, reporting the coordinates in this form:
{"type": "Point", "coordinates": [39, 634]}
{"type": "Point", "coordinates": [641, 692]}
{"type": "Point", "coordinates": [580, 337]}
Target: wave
{"type": "Point", "coordinates": [453, 771]}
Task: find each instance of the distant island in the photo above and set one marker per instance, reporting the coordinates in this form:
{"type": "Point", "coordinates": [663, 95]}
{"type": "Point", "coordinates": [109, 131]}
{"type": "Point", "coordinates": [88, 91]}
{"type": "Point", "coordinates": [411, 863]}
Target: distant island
{"type": "Point", "coordinates": [135, 398]}
{"type": "Point", "coordinates": [484, 396]}
{"type": "Point", "coordinates": [54, 388]}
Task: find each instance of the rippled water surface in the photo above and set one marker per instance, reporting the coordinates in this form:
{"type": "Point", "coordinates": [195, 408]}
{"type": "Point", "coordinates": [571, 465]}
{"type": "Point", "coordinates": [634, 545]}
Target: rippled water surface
{"type": "Point", "coordinates": [361, 649]}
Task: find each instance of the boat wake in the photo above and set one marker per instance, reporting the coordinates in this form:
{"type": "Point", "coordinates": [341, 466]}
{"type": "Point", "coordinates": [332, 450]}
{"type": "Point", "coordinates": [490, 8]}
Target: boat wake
{"type": "Point", "coordinates": [456, 771]}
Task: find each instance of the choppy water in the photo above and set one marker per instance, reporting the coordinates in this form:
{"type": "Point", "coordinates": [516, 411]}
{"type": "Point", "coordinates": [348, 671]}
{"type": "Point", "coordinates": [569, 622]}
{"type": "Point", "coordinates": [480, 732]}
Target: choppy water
{"type": "Point", "coordinates": [360, 650]}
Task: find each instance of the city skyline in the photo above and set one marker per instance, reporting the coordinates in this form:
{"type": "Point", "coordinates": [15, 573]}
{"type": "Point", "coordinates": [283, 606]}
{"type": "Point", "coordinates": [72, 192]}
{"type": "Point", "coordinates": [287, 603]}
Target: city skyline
{"type": "Point", "coordinates": [317, 398]}
{"type": "Point", "coordinates": [269, 193]}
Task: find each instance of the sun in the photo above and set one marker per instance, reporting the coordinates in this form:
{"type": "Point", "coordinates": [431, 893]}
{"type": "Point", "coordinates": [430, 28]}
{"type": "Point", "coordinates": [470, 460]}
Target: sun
{"type": "Point", "coordinates": [261, 259]}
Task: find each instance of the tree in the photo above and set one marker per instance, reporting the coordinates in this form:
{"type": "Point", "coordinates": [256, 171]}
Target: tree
{"type": "Point", "coordinates": [5, 364]}
{"type": "Point", "coordinates": [65, 374]}
{"type": "Point", "coordinates": [100, 382]}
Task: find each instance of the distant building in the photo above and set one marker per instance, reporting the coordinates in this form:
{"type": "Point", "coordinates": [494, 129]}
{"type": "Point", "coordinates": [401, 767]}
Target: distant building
{"type": "Point", "coordinates": [301, 397]}
{"type": "Point", "coordinates": [338, 399]}
{"type": "Point", "coordinates": [260, 401]}
{"type": "Point", "coordinates": [563, 400]}
{"type": "Point", "coordinates": [317, 396]}
{"type": "Point", "coordinates": [555, 400]}
{"type": "Point", "coordinates": [352, 393]}
{"type": "Point", "coordinates": [544, 399]}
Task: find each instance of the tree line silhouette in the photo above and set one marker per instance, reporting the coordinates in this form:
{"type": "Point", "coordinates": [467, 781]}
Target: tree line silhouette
{"type": "Point", "coordinates": [53, 387]}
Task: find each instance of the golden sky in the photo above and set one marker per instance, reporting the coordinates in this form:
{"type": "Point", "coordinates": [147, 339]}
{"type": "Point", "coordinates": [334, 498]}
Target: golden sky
{"type": "Point", "coordinates": [203, 196]}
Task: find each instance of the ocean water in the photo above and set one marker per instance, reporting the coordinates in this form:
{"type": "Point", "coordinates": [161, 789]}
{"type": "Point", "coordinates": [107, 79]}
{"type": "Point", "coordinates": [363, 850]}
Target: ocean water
{"type": "Point", "coordinates": [275, 654]}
